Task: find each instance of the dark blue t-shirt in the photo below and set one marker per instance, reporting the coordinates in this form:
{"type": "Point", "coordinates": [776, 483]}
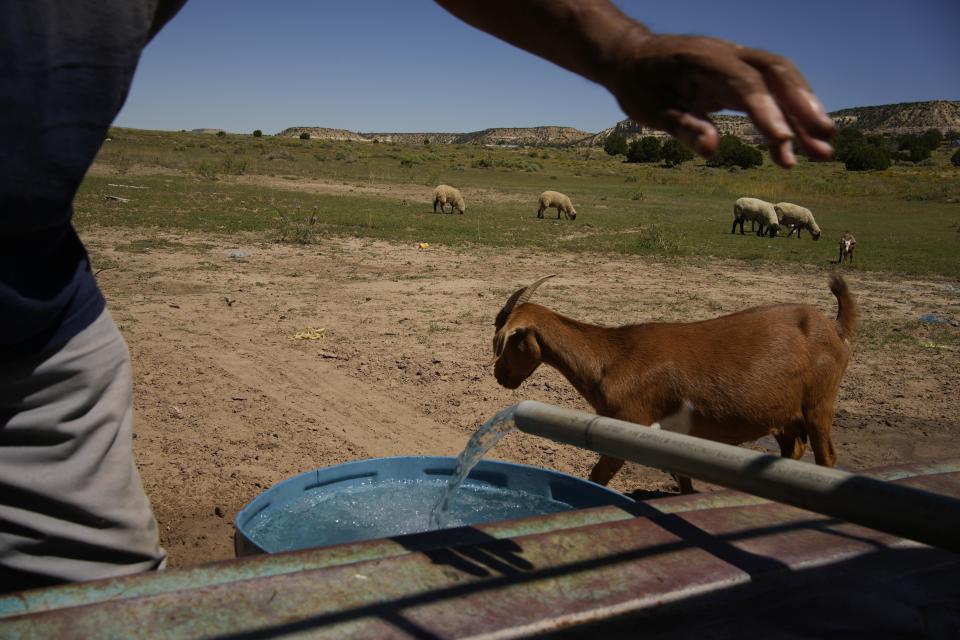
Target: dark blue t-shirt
{"type": "Point", "coordinates": [65, 70]}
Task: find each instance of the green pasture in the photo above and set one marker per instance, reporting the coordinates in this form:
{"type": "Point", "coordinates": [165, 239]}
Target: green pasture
{"type": "Point", "coordinates": [906, 219]}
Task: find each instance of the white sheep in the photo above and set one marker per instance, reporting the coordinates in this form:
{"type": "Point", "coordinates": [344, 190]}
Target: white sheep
{"type": "Point", "coordinates": [797, 218]}
{"type": "Point", "coordinates": [756, 211]}
{"type": "Point", "coordinates": [444, 194]}
{"type": "Point", "coordinates": [559, 201]}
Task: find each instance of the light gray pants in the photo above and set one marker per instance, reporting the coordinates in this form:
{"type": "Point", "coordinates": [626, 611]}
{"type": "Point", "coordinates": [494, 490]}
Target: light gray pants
{"type": "Point", "coordinates": [72, 506]}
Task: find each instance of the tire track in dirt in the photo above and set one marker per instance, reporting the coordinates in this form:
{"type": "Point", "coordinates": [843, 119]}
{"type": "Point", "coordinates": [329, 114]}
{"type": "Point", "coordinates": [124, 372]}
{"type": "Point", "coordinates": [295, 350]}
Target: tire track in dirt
{"type": "Point", "coordinates": [370, 423]}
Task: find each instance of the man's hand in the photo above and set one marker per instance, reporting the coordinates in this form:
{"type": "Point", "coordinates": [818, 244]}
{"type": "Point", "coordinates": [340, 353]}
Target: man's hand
{"type": "Point", "coordinates": [673, 83]}
{"type": "Point", "coordinates": [667, 82]}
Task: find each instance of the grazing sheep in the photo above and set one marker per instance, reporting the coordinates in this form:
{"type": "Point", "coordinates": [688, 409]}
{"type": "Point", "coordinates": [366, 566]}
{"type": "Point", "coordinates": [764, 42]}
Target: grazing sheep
{"type": "Point", "coordinates": [756, 211]}
{"type": "Point", "coordinates": [797, 218]}
{"type": "Point", "coordinates": [445, 194]}
{"type": "Point", "coordinates": [847, 245]}
{"type": "Point", "coordinates": [773, 369]}
{"type": "Point", "coordinates": [559, 201]}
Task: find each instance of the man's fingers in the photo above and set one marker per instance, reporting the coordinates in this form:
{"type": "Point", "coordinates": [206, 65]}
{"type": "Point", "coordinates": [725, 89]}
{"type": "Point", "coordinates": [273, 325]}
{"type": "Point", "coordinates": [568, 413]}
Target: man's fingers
{"type": "Point", "coordinates": [697, 132]}
{"type": "Point", "coordinates": [807, 116]}
{"type": "Point", "coordinates": [772, 123]}
{"type": "Point", "coordinates": [700, 75]}
{"type": "Point", "coordinates": [782, 153]}
{"type": "Point", "coordinates": [752, 95]}
{"type": "Point", "coordinates": [792, 92]}
{"type": "Point", "coordinates": [767, 117]}
{"type": "Point", "coordinates": [815, 148]}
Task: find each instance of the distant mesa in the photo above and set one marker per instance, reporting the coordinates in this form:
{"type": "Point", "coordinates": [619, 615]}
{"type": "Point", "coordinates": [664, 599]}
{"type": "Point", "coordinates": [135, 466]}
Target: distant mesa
{"type": "Point", "coordinates": [739, 126]}
{"type": "Point", "coordinates": [213, 131]}
{"type": "Point", "coordinates": [323, 133]}
{"type": "Point", "coordinates": [888, 119]}
{"type": "Point", "coordinates": [507, 136]}
{"type": "Point", "coordinates": [906, 117]}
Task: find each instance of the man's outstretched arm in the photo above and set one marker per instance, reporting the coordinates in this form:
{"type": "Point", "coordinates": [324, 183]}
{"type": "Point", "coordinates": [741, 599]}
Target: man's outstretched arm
{"type": "Point", "coordinates": [668, 82]}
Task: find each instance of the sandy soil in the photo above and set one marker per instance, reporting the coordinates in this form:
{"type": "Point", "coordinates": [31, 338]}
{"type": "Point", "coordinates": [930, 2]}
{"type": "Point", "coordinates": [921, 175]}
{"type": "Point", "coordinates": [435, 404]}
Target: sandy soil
{"type": "Point", "coordinates": [228, 403]}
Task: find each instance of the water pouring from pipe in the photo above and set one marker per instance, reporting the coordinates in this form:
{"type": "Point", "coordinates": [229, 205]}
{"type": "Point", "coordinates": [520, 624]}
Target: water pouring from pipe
{"type": "Point", "coordinates": [480, 442]}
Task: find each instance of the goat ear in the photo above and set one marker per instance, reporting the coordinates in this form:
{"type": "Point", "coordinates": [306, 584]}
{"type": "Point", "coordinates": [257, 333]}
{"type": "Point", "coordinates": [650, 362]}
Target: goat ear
{"type": "Point", "coordinates": [516, 335]}
{"type": "Point", "coordinates": [527, 342]}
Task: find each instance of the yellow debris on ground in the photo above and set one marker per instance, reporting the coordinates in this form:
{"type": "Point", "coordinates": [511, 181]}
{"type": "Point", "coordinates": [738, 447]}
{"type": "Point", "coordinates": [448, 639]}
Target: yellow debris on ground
{"type": "Point", "coordinates": [424, 245]}
{"type": "Point", "coordinates": [310, 333]}
{"type": "Point", "coordinates": [930, 344]}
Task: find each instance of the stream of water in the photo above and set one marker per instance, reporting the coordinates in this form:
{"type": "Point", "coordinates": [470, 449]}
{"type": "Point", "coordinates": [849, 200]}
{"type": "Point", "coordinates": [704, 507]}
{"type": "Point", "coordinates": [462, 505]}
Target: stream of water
{"type": "Point", "coordinates": [480, 442]}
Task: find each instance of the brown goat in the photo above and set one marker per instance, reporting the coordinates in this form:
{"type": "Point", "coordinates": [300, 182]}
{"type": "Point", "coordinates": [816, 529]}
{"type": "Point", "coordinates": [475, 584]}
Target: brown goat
{"type": "Point", "coordinates": [769, 369]}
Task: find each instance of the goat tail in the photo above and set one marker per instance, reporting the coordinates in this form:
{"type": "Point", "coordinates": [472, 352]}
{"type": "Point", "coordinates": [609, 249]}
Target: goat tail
{"type": "Point", "coordinates": [847, 314]}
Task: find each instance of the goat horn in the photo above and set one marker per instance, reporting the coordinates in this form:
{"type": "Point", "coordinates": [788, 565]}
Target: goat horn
{"type": "Point", "coordinates": [528, 291]}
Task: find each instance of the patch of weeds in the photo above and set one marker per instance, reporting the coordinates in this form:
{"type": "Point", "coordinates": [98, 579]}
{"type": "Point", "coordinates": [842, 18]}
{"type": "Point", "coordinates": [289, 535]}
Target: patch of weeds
{"type": "Point", "coordinates": [122, 164]}
{"type": "Point", "coordinates": [205, 169]}
{"type": "Point", "coordinates": [877, 334]}
{"type": "Point", "coordinates": [104, 264]}
{"type": "Point", "coordinates": [657, 238]}
{"type": "Point", "coordinates": [938, 336]}
{"type": "Point", "coordinates": [145, 245]}
{"type": "Point", "coordinates": [279, 154]}
{"type": "Point", "coordinates": [434, 327]}
{"type": "Point", "coordinates": [234, 166]}
{"type": "Point", "coordinates": [293, 230]}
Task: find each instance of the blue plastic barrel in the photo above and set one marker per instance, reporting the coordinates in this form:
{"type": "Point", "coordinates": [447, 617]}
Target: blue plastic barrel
{"type": "Point", "coordinates": [561, 490]}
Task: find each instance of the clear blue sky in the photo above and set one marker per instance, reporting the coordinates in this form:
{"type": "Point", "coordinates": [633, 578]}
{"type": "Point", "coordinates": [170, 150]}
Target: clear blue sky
{"type": "Point", "coordinates": [407, 65]}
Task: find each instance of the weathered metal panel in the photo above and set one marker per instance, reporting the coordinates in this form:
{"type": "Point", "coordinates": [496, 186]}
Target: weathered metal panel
{"type": "Point", "coordinates": [453, 592]}
{"type": "Point", "coordinates": [225, 572]}
{"type": "Point", "coordinates": [507, 580]}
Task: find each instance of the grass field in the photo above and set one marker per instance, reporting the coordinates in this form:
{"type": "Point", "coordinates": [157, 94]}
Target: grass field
{"type": "Point", "coordinates": [906, 219]}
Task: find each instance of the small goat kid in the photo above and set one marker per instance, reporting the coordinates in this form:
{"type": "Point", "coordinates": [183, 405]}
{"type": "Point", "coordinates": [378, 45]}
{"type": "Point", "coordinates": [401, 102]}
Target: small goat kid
{"type": "Point", "coordinates": [773, 369]}
{"type": "Point", "coordinates": [847, 245]}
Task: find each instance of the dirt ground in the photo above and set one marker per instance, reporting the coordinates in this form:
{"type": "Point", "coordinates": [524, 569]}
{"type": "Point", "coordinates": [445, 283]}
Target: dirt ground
{"type": "Point", "coordinates": [228, 402]}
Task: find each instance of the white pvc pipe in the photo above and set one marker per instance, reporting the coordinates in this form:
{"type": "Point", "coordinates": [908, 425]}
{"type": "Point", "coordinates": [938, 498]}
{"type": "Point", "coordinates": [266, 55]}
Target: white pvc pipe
{"type": "Point", "coordinates": [911, 513]}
